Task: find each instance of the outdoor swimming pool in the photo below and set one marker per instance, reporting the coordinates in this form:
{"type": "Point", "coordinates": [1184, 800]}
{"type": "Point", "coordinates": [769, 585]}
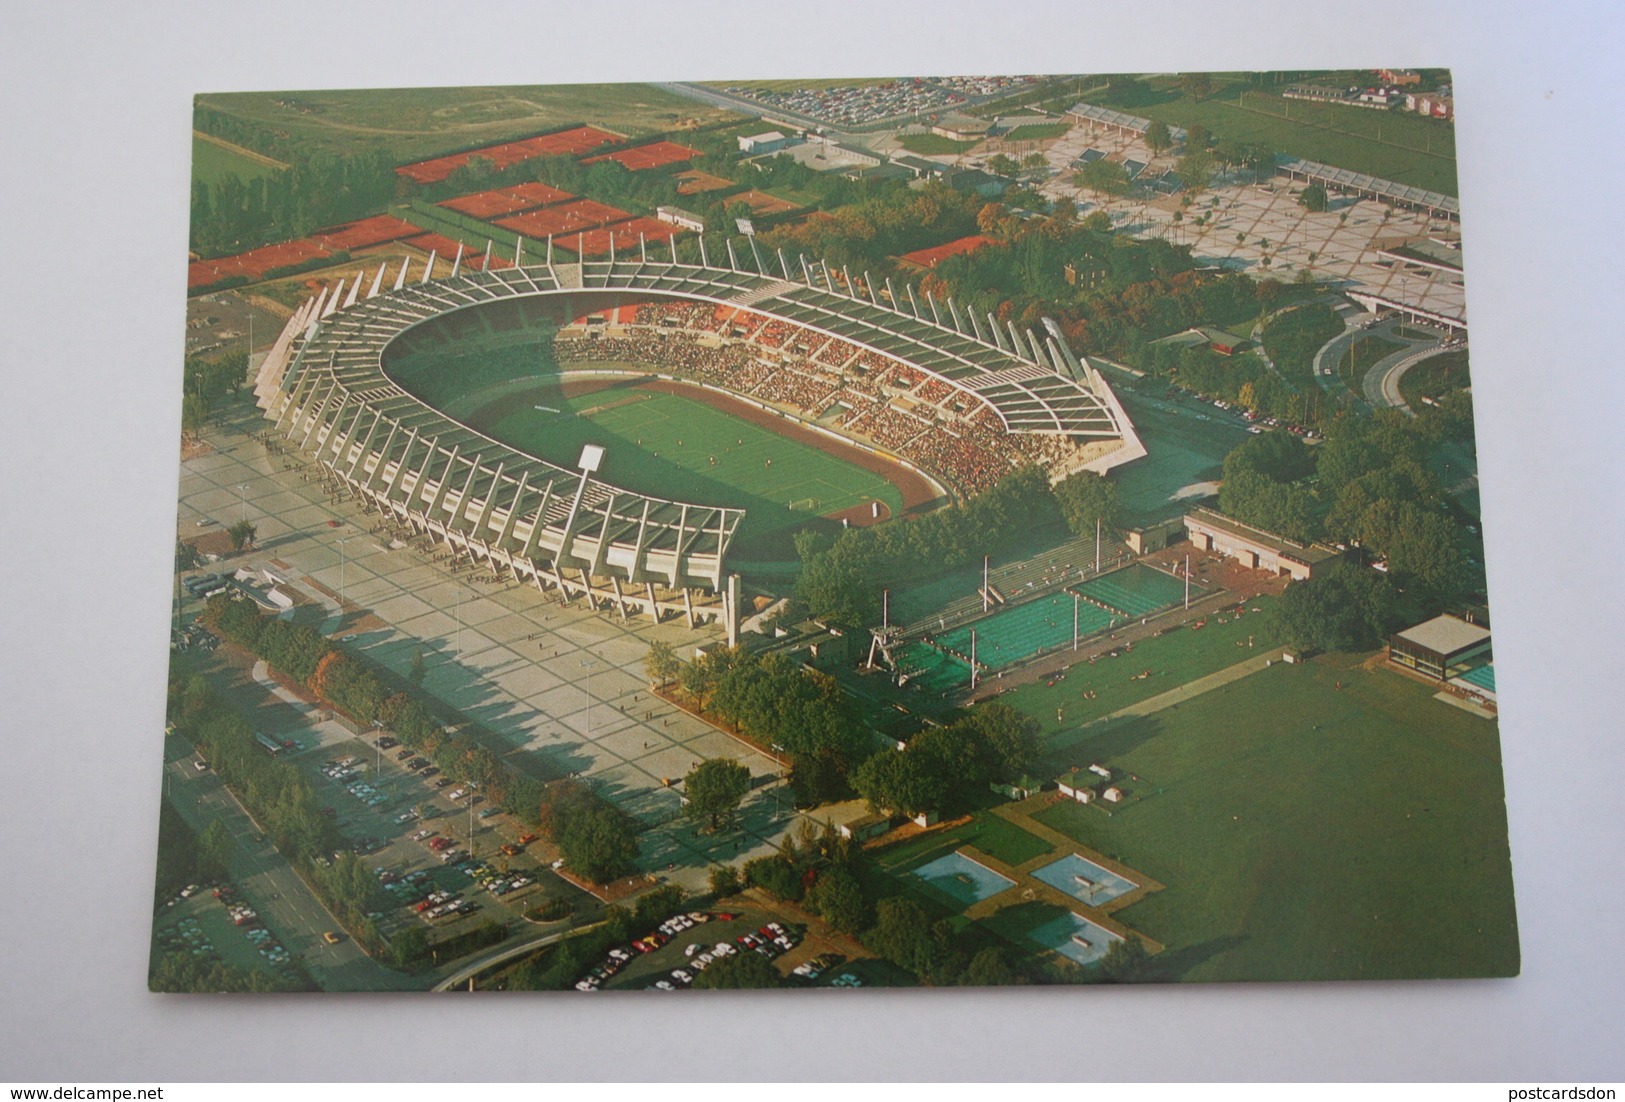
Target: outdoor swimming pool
{"type": "Point", "coordinates": [1084, 880]}
{"type": "Point", "coordinates": [1074, 937]}
{"type": "Point", "coordinates": [966, 880]}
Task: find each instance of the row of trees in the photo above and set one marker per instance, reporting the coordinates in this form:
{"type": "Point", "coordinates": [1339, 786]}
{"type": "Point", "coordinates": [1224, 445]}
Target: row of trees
{"type": "Point", "coordinates": [281, 799]}
{"type": "Point", "coordinates": [353, 687]}
{"type": "Point", "coordinates": [179, 972]}
{"type": "Point", "coordinates": [598, 841]}
{"type": "Point", "coordinates": [232, 215]}
{"type": "Point", "coordinates": [841, 579]}
{"type": "Point", "coordinates": [186, 856]}
{"type": "Point", "coordinates": [777, 703]}
{"type": "Point", "coordinates": [1367, 486]}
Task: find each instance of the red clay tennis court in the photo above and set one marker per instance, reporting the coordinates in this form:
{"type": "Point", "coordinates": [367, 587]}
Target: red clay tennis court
{"type": "Point", "coordinates": [443, 246]}
{"type": "Point", "coordinates": [596, 242]}
{"type": "Point", "coordinates": [583, 214]}
{"type": "Point", "coordinates": [503, 201]}
{"type": "Point", "coordinates": [930, 258]}
{"type": "Point", "coordinates": [695, 182]}
{"type": "Point", "coordinates": [571, 142]}
{"type": "Point", "coordinates": [653, 155]}
{"type": "Point", "coordinates": [760, 202]}
{"type": "Point", "coordinates": [366, 232]}
{"type": "Point", "coordinates": [255, 262]}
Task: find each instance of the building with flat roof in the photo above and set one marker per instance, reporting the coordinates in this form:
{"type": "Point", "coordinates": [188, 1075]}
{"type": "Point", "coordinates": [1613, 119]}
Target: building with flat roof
{"type": "Point", "coordinates": [770, 141]}
{"type": "Point", "coordinates": [961, 128]}
{"type": "Point", "coordinates": [684, 219]}
{"type": "Point", "coordinates": [1254, 547]}
{"type": "Point", "coordinates": [1444, 647]}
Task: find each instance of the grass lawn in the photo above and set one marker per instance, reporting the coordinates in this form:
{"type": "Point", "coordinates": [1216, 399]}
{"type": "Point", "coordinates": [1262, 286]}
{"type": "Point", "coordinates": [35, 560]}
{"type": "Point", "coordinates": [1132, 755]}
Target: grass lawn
{"type": "Point", "coordinates": [929, 144]}
{"type": "Point", "coordinates": [1037, 132]}
{"type": "Point", "coordinates": [413, 123]}
{"type": "Point", "coordinates": [992, 835]}
{"type": "Point", "coordinates": [663, 444]}
{"type": "Point", "coordinates": [1395, 146]}
{"type": "Point", "coordinates": [1434, 377]}
{"type": "Point", "coordinates": [1362, 354]}
{"type": "Point", "coordinates": [1173, 659]}
{"type": "Point", "coordinates": [1309, 832]}
{"type": "Point", "coordinates": [212, 163]}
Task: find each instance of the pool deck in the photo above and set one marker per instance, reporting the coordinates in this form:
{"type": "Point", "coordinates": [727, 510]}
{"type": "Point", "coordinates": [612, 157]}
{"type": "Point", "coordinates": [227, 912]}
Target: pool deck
{"type": "Point", "coordinates": [1028, 888]}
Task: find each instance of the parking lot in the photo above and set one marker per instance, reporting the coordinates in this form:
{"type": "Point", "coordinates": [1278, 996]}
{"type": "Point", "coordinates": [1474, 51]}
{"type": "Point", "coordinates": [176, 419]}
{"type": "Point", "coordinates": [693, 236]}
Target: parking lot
{"type": "Point", "coordinates": [560, 687]}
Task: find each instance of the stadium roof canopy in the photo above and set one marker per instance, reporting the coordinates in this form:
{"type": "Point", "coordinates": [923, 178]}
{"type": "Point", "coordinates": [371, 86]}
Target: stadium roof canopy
{"type": "Point", "coordinates": [1371, 185]}
{"type": "Point", "coordinates": [325, 385]}
{"type": "Point", "coordinates": [1108, 117]}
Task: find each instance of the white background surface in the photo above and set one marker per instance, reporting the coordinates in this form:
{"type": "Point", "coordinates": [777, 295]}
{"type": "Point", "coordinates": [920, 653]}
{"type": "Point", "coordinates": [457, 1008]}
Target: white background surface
{"type": "Point", "coordinates": [93, 208]}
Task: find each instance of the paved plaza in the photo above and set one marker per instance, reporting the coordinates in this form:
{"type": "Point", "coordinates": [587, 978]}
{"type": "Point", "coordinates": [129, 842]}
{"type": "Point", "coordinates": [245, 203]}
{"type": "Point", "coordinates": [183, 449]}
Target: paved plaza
{"type": "Point", "coordinates": [1344, 240]}
{"type": "Point", "coordinates": [561, 685]}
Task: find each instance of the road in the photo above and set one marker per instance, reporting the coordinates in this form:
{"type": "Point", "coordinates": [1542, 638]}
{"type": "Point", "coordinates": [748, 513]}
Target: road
{"type": "Point", "coordinates": [286, 905]}
{"type": "Point", "coordinates": [503, 954]}
{"type": "Point", "coordinates": [1382, 381]}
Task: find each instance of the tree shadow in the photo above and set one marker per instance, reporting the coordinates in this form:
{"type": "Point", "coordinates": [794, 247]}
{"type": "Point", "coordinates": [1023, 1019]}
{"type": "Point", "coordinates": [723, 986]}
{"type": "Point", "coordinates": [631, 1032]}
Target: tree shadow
{"type": "Point", "coordinates": [1111, 739]}
{"type": "Point", "coordinates": [1173, 965]}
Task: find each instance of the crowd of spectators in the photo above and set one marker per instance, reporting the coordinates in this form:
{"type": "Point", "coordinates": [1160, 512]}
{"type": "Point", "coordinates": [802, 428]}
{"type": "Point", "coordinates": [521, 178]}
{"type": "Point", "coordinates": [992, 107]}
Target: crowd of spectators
{"type": "Point", "coordinates": [891, 404]}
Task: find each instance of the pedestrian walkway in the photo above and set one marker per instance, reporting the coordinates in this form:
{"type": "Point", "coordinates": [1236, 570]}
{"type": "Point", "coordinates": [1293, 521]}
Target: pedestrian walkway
{"type": "Point", "coordinates": [1185, 692]}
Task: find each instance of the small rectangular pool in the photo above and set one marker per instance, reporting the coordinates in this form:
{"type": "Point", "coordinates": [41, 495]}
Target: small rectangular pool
{"type": "Point", "coordinates": [1084, 880]}
{"type": "Point", "coordinates": [1075, 938]}
{"type": "Point", "coordinates": [962, 878]}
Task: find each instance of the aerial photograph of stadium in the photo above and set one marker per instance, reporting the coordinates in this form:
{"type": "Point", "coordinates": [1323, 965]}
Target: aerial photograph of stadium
{"type": "Point", "coordinates": [874, 532]}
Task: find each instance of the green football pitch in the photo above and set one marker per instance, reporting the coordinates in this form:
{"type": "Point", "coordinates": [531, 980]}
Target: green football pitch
{"type": "Point", "coordinates": [676, 447]}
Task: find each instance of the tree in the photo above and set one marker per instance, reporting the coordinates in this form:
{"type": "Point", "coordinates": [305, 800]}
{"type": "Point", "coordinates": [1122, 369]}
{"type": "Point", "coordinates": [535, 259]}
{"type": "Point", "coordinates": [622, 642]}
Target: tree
{"type": "Point", "coordinates": [418, 670]}
{"type": "Point", "coordinates": [410, 947]}
{"type": "Point", "coordinates": [242, 534]}
{"type": "Point", "coordinates": [1086, 497]}
{"type": "Point", "coordinates": [837, 897]}
{"type": "Point", "coordinates": [1157, 136]}
{"type": "Point", "coordinates": [725, 881]}
{"type": "Point", "coordinates": [1007, 740]}
{"type": "Point", "coordinates": [1126, 962]}
{"type": "Point", "coordinates": [1105, 177]}
{"type": "Point", "coordinates": [1002, 165]}
{"type": "Point", "coordinates": [1034, 160]}
{"type": "Point", "coordinates": [1196, 86]}
{"type": "Point", "coordinates": [1312, 198]}
{"type": "Point", "coordinates": [713, 791]}
{"type": "Point", "coordinates": [1195, 170]}
{"type": "Point", "coordinates": [215, 849]}
{"type": "Point", "coordinates": [598, 841]}
{"type": "Point", "coordinates": [186, 557]}
{"type": "Point", "coordinates": [662, 664]}
{"type": "Point", "coordinates": [194, 412]}
{"type": "Point", "coordinates": [775, 875]}
{"type": "Point", "coordinates": [737, 972]}
{"type": "Point", "coordinates": [900, 781]}
{"type": "Point", "coordinates": [990, 968]}
{"type": "Point", "coordinates": [905, 936]}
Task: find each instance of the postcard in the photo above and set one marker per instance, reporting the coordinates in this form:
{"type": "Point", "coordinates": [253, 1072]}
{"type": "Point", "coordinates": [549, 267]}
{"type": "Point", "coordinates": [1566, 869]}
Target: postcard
{"type": "Point", "coordinates": [877, 532]}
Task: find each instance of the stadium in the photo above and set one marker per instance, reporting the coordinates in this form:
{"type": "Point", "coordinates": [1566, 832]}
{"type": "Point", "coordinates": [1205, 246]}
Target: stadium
{"type": "Point", "coordinates": [421, 399]}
